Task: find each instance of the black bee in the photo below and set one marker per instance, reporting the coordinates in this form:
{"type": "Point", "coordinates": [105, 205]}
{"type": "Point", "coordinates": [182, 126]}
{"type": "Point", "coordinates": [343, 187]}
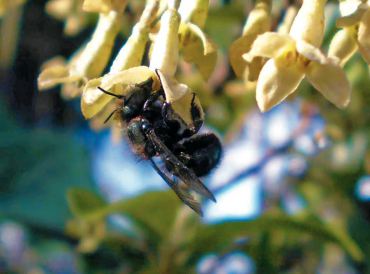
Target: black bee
{"type": "Point", "coordinates": [155, 130]}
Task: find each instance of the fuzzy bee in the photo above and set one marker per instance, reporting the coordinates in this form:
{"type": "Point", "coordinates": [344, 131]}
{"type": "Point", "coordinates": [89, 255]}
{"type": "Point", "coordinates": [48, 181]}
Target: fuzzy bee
{"type": "Point", "coordinates": [155, 130]}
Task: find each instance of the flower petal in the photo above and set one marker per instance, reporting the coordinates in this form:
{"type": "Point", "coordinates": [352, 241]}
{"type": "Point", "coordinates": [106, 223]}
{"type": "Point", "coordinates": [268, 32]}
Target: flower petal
{"type": "Point", "coordinates": [276, 83]}
{"type": "Point", "coordinates": [55, 75]}
{"type": "Point", "coordinates": [93, 100]}
{"type": "Point", "coordinates": [310, 52]}
{"type": "Point", "coordinates": [343, 45]}
{"type": "Point", "coordinates": [197, 48]}
{"type": "Point", "coordinates": [331, 81]}
{"type": "Point", "coordinates": [353, 18]}
{"type": "Point", "coordinates": [180, 96]}
{"type": "Point", "coordinates": [165, 47]}
{"type": "Point", "coordinates": [308, 25]}
{"type": "Point", "coordinates": [131, 54]}
{"type": "Point", "coordinates": [237, 49]}
{"type": "Point", "coordinates": [195, 11]}
{"type": "Point", "coordinates": [208, 45]}
{"type": "Point", "coordinates": [94, 57]}
{"type": "Point", "coordinates": [193, 53]}
{"type": "Point", "coordinates": [254, 68]}
{"type": "Point", "coordinates": [348, 7]}
{"type": "Point", "coordinates": [270, 45]}
{"type": "Point", "coordinates": [364, 36]}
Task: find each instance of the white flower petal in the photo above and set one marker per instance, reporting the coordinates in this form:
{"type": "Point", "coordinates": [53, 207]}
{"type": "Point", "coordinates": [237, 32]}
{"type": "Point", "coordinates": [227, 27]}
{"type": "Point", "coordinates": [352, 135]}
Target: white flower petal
{"type": "Point", "coordinates": [348, 7]}
{"type": "Point", "coordinates": [165, 48]}
{"type": "Point", "coordinates": [343, 45]}
{"type": "Point", "coordinates": [331, 81]}
{"type": "Point", "coordinates": [276, 83]}
{"type": "Point", "coordinates": [310, 52]}
{"type": "Point", "coordinates": [352, 12]}
{"type": "Point", "coordinates": [309, 23]}
{"type": "Point", "coordinates": [270, 45]}
{"type": "Point", "coordinates": [173, 90]}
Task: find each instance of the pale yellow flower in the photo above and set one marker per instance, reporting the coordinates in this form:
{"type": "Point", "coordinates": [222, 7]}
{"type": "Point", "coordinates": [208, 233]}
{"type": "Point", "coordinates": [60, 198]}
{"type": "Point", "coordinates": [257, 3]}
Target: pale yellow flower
{"type": "Point", "coordinates": [125, 69]}
{"type": "Point", "coordinates": [196, 46]}
{"type": "Point", "coordinates": [258, 22]}
{"type": "Point", "coordinates": [163, 62]}
{"type": "Point", "coordinates": [69, 11]}
{"type": "Point", "coordinates": [89, 61]}
{"type": "Point", "coordinates": [294, 56]}
{"type": "Point", "coordinates": [343, 45]}
{"type": "Point", "coordinates": [356, 22]}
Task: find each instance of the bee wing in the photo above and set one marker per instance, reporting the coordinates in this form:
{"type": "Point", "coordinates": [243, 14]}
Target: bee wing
{"type": "Point", "coordinates": [185, 174]}
{"type": "Point", "coordinates": [182, 193]}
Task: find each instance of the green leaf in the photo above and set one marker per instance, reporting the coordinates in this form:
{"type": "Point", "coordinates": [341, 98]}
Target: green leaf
{"type": "Point", "coordinates": [217, 237]}
{"type": "Point", "coordinates": [155, 211]}
{"type": "Point", "coordinates": [83, 202]}
{"type": "Point", "coordinates": [36, 171]}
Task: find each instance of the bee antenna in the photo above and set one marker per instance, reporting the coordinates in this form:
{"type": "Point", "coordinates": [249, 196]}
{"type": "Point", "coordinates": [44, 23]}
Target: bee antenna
{"type": "Point", "coordinates": [111, 94]}
{"type": "Point", "coordinates": [110, 116]}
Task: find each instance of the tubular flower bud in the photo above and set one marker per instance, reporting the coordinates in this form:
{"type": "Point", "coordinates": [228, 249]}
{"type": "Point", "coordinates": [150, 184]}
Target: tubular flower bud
{"type": "Point", "coordinates": [90, 61]}
{"type": "Point", "coordinates": [132, 52]}
{"type": "Point", "coordinates": [165, 53]}
{"type": "Point", "coordinates": [290, 14]}
{"type": "Point", "coordinates": [292, 58]}
{"type": "Point", "coordinates": [309, 23]}
{"type": "Point", "coordinates": [356, 18]}
{"type": "Point", "coordinates": [343, 45]}
{"type": "Point", "coordinates": [258, 22]}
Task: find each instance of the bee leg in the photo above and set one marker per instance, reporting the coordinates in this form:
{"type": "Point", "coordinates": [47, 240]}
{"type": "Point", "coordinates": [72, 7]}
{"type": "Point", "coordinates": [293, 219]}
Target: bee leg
{"type": "Point", "coordinates": [196, 115]}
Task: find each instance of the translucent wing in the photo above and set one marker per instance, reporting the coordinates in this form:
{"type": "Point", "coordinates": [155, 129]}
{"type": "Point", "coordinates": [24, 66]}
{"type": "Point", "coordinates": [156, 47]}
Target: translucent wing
{"type": "Point", "coordinates": [185, 174]}
{"type": "Point", "coordinates": [182, 193]}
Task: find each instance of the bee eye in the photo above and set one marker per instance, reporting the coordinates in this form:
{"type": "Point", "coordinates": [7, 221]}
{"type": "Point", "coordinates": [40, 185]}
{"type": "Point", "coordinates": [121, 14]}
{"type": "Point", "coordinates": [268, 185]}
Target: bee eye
{"type": "Point", "coordinates": [145, 125]}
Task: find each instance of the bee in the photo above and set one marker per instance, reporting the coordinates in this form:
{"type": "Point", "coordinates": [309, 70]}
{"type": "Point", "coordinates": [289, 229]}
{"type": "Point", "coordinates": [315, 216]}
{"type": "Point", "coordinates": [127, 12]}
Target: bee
{"type": "Point", "coordinates": [156, 131]}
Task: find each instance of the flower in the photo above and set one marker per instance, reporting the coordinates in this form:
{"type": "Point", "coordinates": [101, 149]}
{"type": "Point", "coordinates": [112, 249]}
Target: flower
{"type": "Point", "coordinates": [162, 68]}
{"type": "Point", "coordinates": [258, 22]}
{"type": "Point", "coordinates": [125, 69]}
{"type": "Point", "coordinates": [294, 56]}
{"type": "Point", "coordinates": [343, 45]}
{"type": "Point", "coordinates": [69, 11]}
{"type": "Point", "coordinates": [196, 46]}
{"type": "Point", "coordinates": [89, 61]}
{"type": "Point", "coordinates": [355, 22]}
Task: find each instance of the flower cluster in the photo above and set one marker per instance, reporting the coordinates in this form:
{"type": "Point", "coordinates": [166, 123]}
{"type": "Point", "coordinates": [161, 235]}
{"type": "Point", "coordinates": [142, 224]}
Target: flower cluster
{"type": "Point", "coordinates": [280, 60]}
{"type": "Point", "coordinates": [277, 61]}
{"type": "Point", "coordinates": [179, 29]}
